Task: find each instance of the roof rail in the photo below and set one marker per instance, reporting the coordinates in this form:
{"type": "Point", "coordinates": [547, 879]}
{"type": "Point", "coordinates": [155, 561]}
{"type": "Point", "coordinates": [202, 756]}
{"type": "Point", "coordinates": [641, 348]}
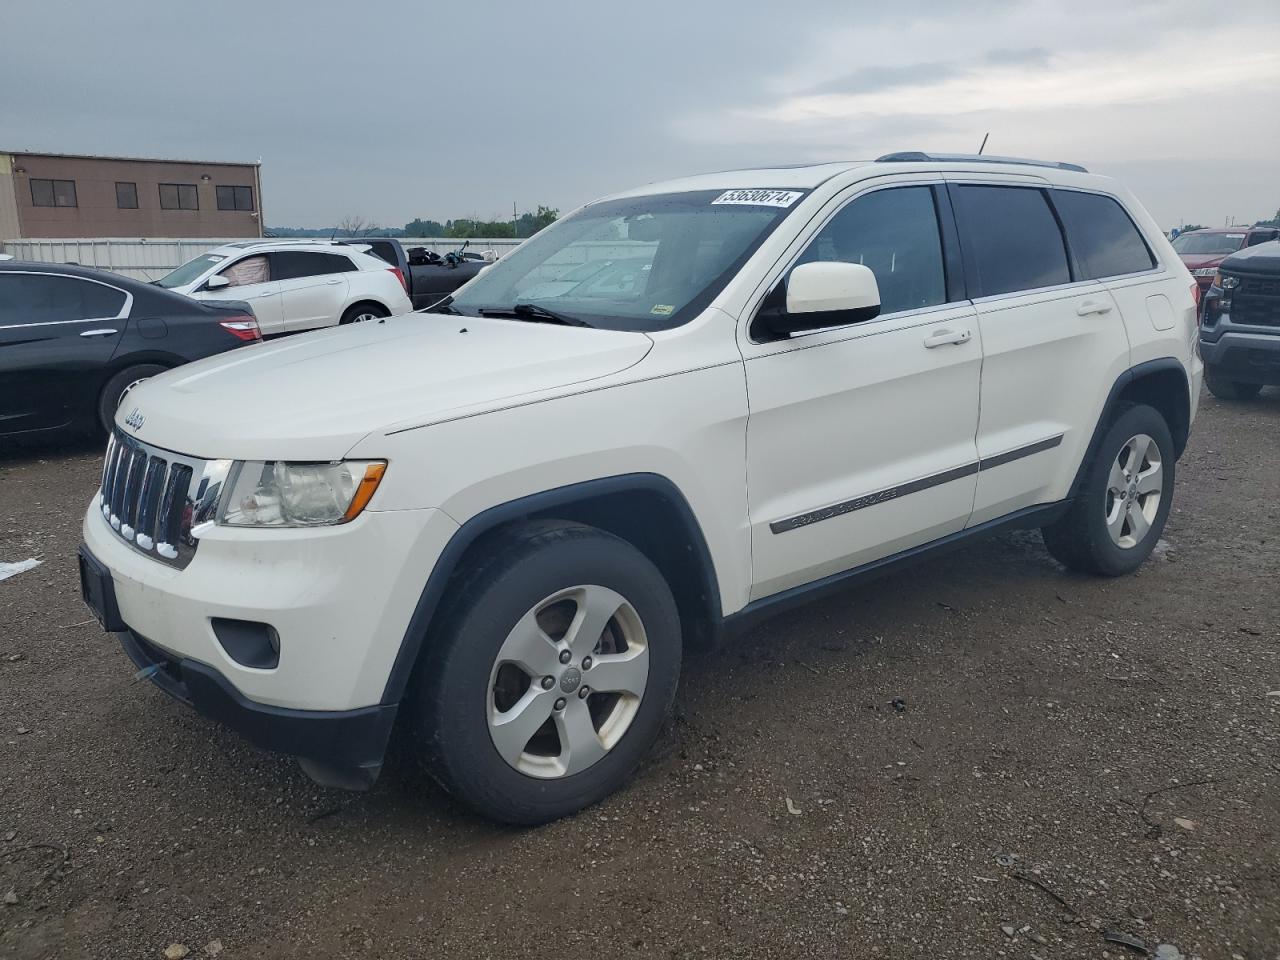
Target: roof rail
{"type": "Point", "coordinates": [918, 156]}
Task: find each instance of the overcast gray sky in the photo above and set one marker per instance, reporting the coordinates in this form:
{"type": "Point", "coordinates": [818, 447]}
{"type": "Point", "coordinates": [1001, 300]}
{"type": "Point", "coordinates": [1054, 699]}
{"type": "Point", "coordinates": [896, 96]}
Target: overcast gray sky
{"type": "Point", "coordinates": [446, 109]}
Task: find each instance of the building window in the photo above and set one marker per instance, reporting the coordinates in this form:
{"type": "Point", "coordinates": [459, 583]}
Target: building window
{"type": "Point", "coordinates": [235, 198]}
{"type": "Point", "coordinates": [53, 193]}
{"type": "Point", "coordinates": [126, 196]}
{"type": "Point", "coordinates": [179, 196]}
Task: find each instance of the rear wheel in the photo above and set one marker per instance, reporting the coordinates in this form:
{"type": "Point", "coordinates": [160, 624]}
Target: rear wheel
{"type": "Point", "coordinates": [550, 677]}
{"type": "Point", "coordinates": [364, 312]}
{"type": "Point", "coordinates": [1121, 508]}
{"type": "Point", "coordinates": [117, 389]}
{"type": "Point", "coordinates": [1225, 388]}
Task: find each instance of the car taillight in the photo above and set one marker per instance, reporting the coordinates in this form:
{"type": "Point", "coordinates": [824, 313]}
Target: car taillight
{"type": "Point", "coordinates": [1195, 295]}
{"type": "Point", "coordinates": [400, 277]}
{"type": "Point", "coordinates": [244, 327]}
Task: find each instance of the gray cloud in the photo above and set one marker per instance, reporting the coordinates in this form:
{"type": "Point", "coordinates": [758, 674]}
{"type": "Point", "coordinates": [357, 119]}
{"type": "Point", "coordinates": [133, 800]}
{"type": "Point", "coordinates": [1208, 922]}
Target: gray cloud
{"type": "Point", "coordinates": [448, 110]}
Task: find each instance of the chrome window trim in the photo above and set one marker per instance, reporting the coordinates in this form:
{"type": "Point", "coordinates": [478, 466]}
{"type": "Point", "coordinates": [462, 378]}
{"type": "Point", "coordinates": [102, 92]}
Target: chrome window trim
{"type": "Point", "coordinates": [122, 315]}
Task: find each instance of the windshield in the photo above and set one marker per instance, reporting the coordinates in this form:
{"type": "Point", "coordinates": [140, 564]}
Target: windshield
{"type": "Point", "coordinates": [640, 263]}
{"type": "Point", "coordinates": [1207, 244]}
{"type": "Point", "coordinates": [189, 271]}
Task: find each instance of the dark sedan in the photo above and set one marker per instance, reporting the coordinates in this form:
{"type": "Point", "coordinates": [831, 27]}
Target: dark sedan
{"type": "Point", "coordinates": [75, 341]}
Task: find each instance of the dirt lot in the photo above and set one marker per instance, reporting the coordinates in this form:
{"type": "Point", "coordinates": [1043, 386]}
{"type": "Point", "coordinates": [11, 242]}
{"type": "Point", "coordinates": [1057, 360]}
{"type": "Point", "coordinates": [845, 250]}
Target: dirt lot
{"type": "Point", "coordinates": [1076, 758]}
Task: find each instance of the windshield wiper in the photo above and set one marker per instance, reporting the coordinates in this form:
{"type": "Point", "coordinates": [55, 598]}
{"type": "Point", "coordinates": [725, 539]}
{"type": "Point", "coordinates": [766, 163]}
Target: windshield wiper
{"type": "Point", "coordinates": [537, 314]}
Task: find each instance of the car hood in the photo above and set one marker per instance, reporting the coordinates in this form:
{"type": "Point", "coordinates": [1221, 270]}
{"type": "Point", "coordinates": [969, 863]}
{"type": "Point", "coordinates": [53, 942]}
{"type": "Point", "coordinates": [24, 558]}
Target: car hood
{"type": "Point", "coordinates": [314, 396]}
{"type": "Point", "coordinates": [1262, 258]}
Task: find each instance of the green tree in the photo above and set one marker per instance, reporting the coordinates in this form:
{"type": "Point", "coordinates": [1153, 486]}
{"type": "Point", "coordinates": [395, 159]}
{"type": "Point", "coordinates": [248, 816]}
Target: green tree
{"type": "Point", "coordinates": [1273, 222]}
{"type": "Point", "coordinates": [424, 228]}
{"type": "Point", "coordinates": [530, 223]}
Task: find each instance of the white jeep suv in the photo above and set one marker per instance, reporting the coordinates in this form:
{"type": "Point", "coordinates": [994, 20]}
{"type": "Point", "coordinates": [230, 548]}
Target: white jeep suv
{"type": "Point", "coordinates": [295, 285]}
{"type": "Point", "coordinates": [498, 528]}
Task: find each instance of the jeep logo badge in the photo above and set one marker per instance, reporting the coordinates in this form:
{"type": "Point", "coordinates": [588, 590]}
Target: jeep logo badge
{"type": "Point", "coordinates": [135, 420]}
{"type": "Point", "coordinates": [570, 679]}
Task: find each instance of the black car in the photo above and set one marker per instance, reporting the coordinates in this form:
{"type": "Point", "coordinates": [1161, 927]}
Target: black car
{"type": "Point", "coordinates": [74, 341]}
{"type": "Point", "coordinates": [1240, 332]}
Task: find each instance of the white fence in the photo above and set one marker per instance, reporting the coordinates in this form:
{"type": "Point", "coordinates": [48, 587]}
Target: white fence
{"type": "Point", "coordinates": [149, 259]}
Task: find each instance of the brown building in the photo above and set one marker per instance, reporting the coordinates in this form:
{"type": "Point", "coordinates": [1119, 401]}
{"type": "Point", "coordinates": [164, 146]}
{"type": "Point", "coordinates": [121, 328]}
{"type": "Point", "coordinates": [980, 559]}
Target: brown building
{"type": "Point", "coordinates": [64, 195]}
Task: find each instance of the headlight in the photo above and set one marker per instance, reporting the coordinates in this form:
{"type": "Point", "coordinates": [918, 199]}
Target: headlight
{"type": "Point", "coordinates": [1204, 271]}
{"type": "Point", "coordinates": [278, 494]}
{"type": "Point", "coordinates": [1226, 282]}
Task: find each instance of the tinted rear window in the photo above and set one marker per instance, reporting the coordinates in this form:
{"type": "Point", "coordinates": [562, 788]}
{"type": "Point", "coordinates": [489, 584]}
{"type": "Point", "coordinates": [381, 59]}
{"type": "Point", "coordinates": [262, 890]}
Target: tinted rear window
{"type": "Point", "coordinates": [291, 264]}
{"type": "Point", "coordinates": [1103, 238]}
{"type": "Point", "coordinates": [1011, 239]}
{"type": "Point", "coordinates": [41, 298]}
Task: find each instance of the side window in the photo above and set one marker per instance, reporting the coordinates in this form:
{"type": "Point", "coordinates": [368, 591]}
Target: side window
{"type": "Point", "coordinates": [1103, 238]}
{"type": "Point", "coordinates": [293, 264]}
{"type": "Point", "coordinates": [1010, 239]}
{"type": "Point", "coordinates": [895, 233]}
{"type": "Point", "coordinates": [1261, 236]}
{"type": "Point", "coordinates": [249, 270]}
{"type": "Point", "coordinates": [40, 298]}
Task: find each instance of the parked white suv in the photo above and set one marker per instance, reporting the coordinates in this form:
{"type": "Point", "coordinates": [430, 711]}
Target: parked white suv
{"type": "Point", "coordinates": [295, 285]}
{"type": "Point", "coordinates": [503, 528]}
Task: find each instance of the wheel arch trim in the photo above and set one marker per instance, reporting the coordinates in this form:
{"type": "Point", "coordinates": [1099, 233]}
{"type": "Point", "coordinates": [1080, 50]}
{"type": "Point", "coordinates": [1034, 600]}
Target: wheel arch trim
{"type": "Point", "coordinates": [536, 504]}
{"type": "Point", "coordinates": [1160, 365]}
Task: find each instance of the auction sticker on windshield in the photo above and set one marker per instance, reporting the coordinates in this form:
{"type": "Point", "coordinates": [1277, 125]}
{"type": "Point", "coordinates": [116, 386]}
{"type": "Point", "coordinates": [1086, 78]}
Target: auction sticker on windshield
{"type": "Point", "coordinates": [760, 198]}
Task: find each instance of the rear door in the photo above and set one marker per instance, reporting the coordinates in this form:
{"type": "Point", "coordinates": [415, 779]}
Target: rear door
{"type": "Point", "coordinates": [1053, 344]}
{"type": "Point", "coordinates": [57, 335]}
{"type": "Point", "coordinates": [313, 287]}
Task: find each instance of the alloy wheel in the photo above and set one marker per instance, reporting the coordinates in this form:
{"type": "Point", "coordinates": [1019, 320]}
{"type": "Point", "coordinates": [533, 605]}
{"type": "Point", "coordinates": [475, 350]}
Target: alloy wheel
{"type": "Point", "coordinates": [1134, 489]}
{"type": "Point", "coordinates": [567, 682]}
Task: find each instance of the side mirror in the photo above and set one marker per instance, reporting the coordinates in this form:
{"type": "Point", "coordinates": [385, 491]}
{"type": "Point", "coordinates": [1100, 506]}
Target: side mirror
{"type": "Point", "coordinates": [216, 283]}
{"type": "Point", "coordinates": [818, 295]}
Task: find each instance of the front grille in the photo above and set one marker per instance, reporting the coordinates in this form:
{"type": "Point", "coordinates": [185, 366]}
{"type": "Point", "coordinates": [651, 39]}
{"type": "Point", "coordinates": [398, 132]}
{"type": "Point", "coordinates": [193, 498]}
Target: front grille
{"type": "Point", "coordinates": [1256, 301]}
{"type": "Point", "coordinates": [152, 498]}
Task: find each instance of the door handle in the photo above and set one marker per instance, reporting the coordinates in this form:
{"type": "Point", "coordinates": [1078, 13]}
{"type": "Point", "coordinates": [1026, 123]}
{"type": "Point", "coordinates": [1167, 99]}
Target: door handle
{"type": "Point", "coordinates": [943, 337]}
{"type": "Point", "coordinates": [99, 333]}
{"type": "Point", "coordinates": [1090, 307]}
{"type": "Point", "coordinates": [328, 282]}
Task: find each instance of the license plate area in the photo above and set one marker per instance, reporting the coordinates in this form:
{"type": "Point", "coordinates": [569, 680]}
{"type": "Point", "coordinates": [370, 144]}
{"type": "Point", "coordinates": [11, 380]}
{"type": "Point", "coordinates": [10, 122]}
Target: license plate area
{"type": "Point", "coordinates": [99, 592]}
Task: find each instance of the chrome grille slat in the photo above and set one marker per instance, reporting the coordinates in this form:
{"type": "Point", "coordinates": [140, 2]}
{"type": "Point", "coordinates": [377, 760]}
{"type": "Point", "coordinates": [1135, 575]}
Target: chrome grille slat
{"type": "Point", "coordinates": [150, 495]}
{"type": "Point", "coordinates": [152, 488]}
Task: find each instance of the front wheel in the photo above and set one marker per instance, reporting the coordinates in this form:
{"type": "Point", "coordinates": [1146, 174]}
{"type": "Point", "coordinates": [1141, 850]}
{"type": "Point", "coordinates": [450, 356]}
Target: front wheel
{"type": "Point", "coordinates": [551, 675]}
{"type": "Point", "coordinates": [1227, 389]}
{"type": "Point", "coordinates": [1121, 508]}
{"type": "Point", "coordinates": [117, 389]}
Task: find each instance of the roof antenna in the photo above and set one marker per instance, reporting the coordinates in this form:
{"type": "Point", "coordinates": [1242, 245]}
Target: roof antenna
{"type": "Point", "coordinates": [984, 142]}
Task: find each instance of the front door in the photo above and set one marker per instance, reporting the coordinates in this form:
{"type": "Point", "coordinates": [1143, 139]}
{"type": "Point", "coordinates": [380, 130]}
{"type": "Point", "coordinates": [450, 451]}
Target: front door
{"type": "Point", "coordinates": [860, 439]}
{"type": "Point", "coordinates": [250, 279]}
{"type": "Point", "coordinates": [57, 336]}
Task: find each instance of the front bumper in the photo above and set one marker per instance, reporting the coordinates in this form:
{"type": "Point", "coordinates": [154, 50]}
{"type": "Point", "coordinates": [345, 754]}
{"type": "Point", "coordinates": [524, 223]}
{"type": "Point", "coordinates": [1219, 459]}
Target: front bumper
{"type": "Point", "coordinates": [1249, 355]}
{"type": "Point", "coordinates": [350, 743]}
{"type": "Point", "coordinates": [338, 598]}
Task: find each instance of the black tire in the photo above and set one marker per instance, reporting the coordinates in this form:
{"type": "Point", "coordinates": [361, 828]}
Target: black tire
{"type": "Point", "coordinates": [359, 312]}
{"type": "Point", "coordinates": [1226, 389]}
{"type": "Point", "coordinates": [447, 723]}
{"type": "Point", "coordinates": [120, 384]}
{"type": "Point", "coordinates": [1080, 540]}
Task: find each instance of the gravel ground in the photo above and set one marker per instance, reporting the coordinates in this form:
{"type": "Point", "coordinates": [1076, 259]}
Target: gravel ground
{"type": "Point", "coordinates": [980, 757]}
